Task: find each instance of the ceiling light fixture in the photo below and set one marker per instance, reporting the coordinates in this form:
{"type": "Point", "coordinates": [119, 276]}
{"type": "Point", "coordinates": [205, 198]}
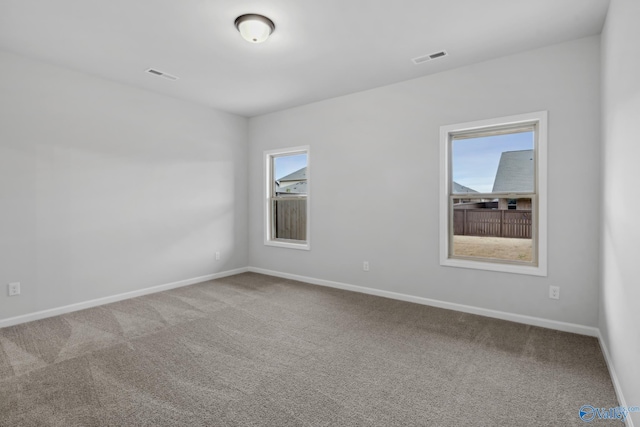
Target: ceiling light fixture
{"type": "Point", "coordinates": [254, 28]}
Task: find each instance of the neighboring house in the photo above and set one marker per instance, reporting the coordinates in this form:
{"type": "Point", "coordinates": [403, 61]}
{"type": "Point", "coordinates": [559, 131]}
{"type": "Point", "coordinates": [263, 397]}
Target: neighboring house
{"type": "Point", "coordinates": [461, 189]}
{"type": "Point", "coordinates": [514, 174]}
{"type": "Point", "coordinates": [487, 217]}
{"type": "Point", "coordinates": [294, 183]}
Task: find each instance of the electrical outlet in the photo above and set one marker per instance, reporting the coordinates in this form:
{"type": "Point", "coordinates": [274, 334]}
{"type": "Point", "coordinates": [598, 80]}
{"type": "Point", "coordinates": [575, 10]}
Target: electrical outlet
{"type": "Point", "coordinates": [554, 292]}
{"type": "Point", "coordinates": [14, 289]}
{"type": "Point", "coordinates": [365, 266]}
{"type": "Point", "coordinates": [217, 255]}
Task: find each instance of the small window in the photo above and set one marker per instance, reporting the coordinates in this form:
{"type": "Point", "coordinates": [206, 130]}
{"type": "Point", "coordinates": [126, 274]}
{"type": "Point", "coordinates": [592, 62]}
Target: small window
{"type": "Point", "coordinates": [493, 195]}
{"type": "Point", "coordinates": [287, 198]}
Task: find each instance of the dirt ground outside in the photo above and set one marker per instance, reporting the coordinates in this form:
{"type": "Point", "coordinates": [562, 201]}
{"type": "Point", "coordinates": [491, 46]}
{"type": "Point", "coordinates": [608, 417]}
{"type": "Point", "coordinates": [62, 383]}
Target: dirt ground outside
{"type": "Point", "coordinates": [493, 247]}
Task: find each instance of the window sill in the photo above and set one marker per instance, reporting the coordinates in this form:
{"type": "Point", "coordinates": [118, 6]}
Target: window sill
{"type": "Point", "coordinates": [289, 244]}
{"type": "Point", "coordinates": [531, 270]}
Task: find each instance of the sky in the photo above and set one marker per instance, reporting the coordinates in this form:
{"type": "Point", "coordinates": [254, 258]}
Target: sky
{"type": "Point", "coordinates": [284, 165]}
{"type": "Point", "coordinates": [475, 160]}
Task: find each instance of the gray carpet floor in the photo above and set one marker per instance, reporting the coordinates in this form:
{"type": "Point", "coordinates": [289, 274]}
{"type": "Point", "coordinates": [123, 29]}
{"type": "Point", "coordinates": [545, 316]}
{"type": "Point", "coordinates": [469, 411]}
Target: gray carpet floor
{"type": "Point", "coordinates": [254, 350]}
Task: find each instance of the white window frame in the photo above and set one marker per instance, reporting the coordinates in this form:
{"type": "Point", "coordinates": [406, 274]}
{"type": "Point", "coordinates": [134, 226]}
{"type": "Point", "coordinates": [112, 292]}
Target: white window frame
{"type": "Point", "coordinates": [539, 266]}
{"type": "Point", "coordinates": [269, 240]}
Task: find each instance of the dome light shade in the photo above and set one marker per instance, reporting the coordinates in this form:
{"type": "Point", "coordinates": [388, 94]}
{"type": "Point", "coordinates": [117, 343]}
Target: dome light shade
{"type": "Point", "coordinates": [254, 28]}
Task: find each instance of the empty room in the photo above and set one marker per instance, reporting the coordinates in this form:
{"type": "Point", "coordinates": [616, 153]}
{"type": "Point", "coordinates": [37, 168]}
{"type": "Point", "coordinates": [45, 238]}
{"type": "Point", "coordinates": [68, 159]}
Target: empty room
{"type": "Point", "coordinates": [319, 213]}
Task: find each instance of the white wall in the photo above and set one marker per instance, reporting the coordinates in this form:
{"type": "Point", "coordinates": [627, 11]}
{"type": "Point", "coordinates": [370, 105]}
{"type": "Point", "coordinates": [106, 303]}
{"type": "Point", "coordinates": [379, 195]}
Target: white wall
{"type": "Point", "coordinates": [375, 175]}
{"type": "Point", "coordinates": [620, 229]}
{"type": "Point", "coordinates": [106, 189]}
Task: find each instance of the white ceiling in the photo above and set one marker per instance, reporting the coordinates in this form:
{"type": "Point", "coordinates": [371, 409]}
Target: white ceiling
{"type": "Point", "coordinates": [320, 49]}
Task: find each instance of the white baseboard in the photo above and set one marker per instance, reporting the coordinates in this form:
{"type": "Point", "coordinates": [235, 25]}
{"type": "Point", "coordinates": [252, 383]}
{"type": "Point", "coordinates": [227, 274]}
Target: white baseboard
{"type": "Point", "coordinates": [518, 318]}
{"type": "Point", "coordinates": [614, 378]}
{"type": "Point", "coordinates": [106, 300]}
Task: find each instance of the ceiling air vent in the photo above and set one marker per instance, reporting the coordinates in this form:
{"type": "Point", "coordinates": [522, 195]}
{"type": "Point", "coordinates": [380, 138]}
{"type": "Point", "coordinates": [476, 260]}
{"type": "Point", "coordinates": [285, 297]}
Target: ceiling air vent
{"type": "Point", "coordinates": [161, 74]}
{"type": "Point", "coordinates": [425, 58]}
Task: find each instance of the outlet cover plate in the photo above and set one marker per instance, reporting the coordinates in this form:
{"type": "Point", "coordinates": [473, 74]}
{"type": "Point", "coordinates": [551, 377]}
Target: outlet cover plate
{"type": "Point", "coordinates": [14, 289]}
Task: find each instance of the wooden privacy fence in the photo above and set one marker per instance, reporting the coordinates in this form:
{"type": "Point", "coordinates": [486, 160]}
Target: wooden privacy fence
{"type": "Point", "coordinates": [492, 223]}
{"type": "Point", "coordinates": [291, 219]}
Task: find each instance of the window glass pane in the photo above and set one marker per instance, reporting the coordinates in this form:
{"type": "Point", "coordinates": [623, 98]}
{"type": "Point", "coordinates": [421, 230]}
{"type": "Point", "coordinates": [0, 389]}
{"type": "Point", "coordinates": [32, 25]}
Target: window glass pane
{"type": "Point", "coordinates": [290, 175]}
{"type": "Point", "coordinates": [498, 229]}
{"type": "Point", "coordinates": [290, 218]}
{"type": "Point", "coordinates": [495, 163]}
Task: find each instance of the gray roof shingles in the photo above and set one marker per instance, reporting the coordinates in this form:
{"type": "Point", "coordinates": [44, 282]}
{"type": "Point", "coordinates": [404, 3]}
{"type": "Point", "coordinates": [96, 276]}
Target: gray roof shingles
{"type": "Point", "coordinates": [515, 172]}
{"type": "Point", "coordinates": [299, 175]}
{"type": "Point", "coordinates": [461, 189]}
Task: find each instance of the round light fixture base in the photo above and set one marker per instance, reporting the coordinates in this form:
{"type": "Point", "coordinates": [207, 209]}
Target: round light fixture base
{"type": "Point", "coordinates": [254, 28]}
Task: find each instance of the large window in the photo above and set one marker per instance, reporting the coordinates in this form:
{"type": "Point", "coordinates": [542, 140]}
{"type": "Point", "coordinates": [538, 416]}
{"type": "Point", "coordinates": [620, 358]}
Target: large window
{"type": "Point", "coordinates": [493, 194]}
{"type": "Point", "coordinates": [287, 198]}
